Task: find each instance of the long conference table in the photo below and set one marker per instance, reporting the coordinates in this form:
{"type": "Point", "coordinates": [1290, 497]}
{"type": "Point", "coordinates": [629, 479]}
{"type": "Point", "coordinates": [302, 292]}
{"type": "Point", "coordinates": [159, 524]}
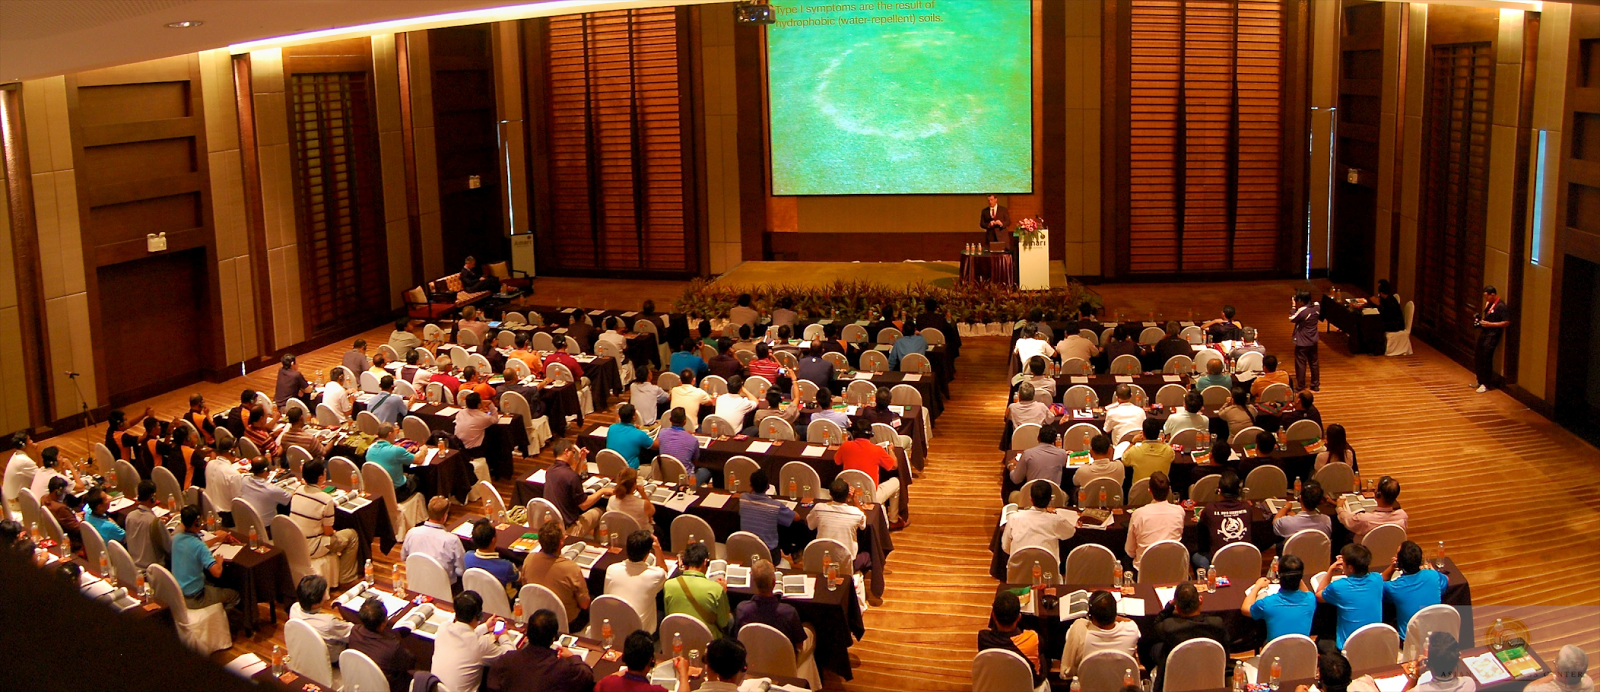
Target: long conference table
{"type": "Point", "coordinates": [835, 615]}
{"type": "Point", "coordinates": [1295, 461]}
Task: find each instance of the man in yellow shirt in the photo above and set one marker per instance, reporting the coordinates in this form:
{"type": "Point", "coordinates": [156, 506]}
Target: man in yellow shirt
{"type": "Point", "coordinates": [1149, 456]}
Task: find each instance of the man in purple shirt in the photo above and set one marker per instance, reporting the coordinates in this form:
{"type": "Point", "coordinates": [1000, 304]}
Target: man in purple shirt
{"type": "Point", "coordinates": [682, 445]}
{"type": "Point", "coordinates": [539, 667]}
{"type": "Point", "coordinates": [639, 655]}
{"type": "Point", "coordinates": [1305, 317]}
{"type": "Point", "coordinates": [766, 608]}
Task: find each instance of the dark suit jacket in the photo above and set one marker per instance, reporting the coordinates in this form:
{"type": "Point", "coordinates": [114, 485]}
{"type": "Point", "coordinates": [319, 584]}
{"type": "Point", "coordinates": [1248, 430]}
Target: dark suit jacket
{"type": "Point", "coordinates": [995, 234]}
{"type": "Point", "coordinates": [1172, 629]}
{"type": "Point", "coordinates": [386, 650]}
{"type": "Point", "coordinates": [1169, 347]}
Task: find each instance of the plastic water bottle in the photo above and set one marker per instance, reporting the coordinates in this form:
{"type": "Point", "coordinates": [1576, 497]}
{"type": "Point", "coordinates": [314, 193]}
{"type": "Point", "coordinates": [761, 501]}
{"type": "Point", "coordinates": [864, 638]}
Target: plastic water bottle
{"type": "Point", "coordinates": [371, 573]}
{"type": "Point", "coordinates": [105, 570]}
{"type": "Point", "coordinates": [1238, 679]}
{"type": "Point", "coordinates": [677, 645]}
{"type": "Point", "coordinates": [605, 536]}
{"type": "Point", "coordinates": [1274, 676]}
{"type": "Point", "coordinates": [1129, 677]}
{"type": "Point", "coordinates": [1102, 498]}
{"type": "Point", "coordinates": [253, 538]}
{"type": "Point", "coordinates": [605, 633]}
{"type": "Point", "coordinates": [1272, 572]}
{"type": "Point", "coordinates": [516, 612]}
{"type": "Point", "coordinates": [1037, 571]}
{"type": "Point", "coordinates": [277, 660]}
{"type": "Point", "coordinates": [1116, 574]}
{"type": "Point", "coordinates": [793, 490]}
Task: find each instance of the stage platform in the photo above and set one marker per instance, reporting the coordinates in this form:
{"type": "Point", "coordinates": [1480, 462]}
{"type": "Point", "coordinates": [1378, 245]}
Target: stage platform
{"type": "Point", "coordinates": [815, 274]}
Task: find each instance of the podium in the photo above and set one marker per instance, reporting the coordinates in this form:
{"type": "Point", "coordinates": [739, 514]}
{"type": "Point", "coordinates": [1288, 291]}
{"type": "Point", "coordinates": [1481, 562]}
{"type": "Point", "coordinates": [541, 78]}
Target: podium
{"type": "Point", "coordinates": [1033, 264]}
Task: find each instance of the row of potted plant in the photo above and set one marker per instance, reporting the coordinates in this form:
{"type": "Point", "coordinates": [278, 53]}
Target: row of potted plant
{"type": "Point", "coordinates": [862, 299]}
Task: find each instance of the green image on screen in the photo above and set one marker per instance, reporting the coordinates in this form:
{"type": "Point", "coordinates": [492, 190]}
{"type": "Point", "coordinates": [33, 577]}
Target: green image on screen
{"type": "Point", "coordinates": [909, 97]}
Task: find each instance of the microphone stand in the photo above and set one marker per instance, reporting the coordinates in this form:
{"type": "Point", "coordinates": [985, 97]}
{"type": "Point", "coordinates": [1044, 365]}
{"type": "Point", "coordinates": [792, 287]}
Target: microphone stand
{"type": "Point", "coordinates": [88, 422]}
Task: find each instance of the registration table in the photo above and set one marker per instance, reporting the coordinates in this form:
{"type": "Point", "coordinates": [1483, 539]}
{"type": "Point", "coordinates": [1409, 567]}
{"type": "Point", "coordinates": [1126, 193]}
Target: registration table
{"type": "Point", "coordinates": [1361, 322]}
{"type": "Point", "coordinates": [835, 615]}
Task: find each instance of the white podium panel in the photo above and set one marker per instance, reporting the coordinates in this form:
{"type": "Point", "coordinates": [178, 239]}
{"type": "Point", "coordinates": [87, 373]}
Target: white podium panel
{"type": "Point", "coordinates": [1033, 264]}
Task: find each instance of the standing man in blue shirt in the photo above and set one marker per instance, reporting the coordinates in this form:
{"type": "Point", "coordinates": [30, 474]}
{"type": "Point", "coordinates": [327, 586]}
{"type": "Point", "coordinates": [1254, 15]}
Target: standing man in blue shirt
{"type": "Point", "coordinates": [1289, 610]}
{"type": "Point", "coordinates": [192, 561]}
{"type": "Point", "coordinates": [1358, 597]}
{"type": "Point", "coordinates": [682, 445]}
{"type": "Point", "coordinates": [1305, 317]}
{"type": "Point", "coordinates": [1418, 587]}
{"type": "Point", "coordinates": [625, 438]}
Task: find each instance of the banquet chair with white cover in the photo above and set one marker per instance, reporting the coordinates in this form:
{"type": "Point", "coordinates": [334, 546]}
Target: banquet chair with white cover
{"type": "Point", "coordinates": [402, 515]}
{"type": "Point", "coordinates": [369, 382]}
{"type": "Point", "coordinates": [610, 463]}
{"type": "Point", "coordinates": [467, 337]}
{"type": "Point", "coordinates": [757, 386]}
{"type": "Point", "coordinates": [1312, 547]}
{"type": "Point", "coordinates": [246, 518]}
{"type": "Point", "coordinates": [489, 588]}
{"type": "Point", "coordinates": [1249, 364]}
{"type": "Point", "coordinates": [1001, 670]}
{"type": "Point", "coordinates": [669, 469]}
{"type": "Point", "coordinates": [1206, 355]}
{"type": "Point", "coordinates": [714, 385]}
{"type": "Point", "coordinates": [203, 630]}
{"type": "Point", "coordinates": [537, 597]}
{"type": "Point", "coordinates": [367, 422]}
{"type": "Point", "coordinates": [495, 505]}
{"type": "Point", "coordinates": [1303, 430]}
{"type": "Point", "coordinates": [1024, 495]}
{"type": "Point", "coordinates": [916, 362]}
{"type": "Point", "coordinates": [295, 405]}
{"type": "Point", "coordinates": [1193, 335]}
{"type": "Point", "coordinates": [1399, 343]}
{"type": "Point", "coordinates": [1205, 489]}
{"type": "Point", "coordinates": [690, 528]}
{"type": "Point", "coordinates": [390, 354]}
{"type": "Point", "coordinates": [167, 485]}
{"type": "Point", "coordinates": [1024, 436]}
{"type": "Point", "coordinates": [736, 473]}
{"type": "Point", "coordinates": [416, 429]}
{"type": "Point", "coordinates": [103, 459]}
{"type": "Point", "coordinates": [1108, 488]}
{"type": "Point", "coordinates": [424, 575]}
{"type": "Point", "coordinates": [775, 428]}
{"type": "Point", "coordinates": [297, 551]}
{"type": "Point", "coordinates": [247, 450]}
{"type": "Point", "coordinates": [359, 672]}
{"type": "Point", "coordinates": [1020, 566]}
{"type": "Point", "coordinates": [505, 339]}
{"type": "Point", "coordinates": [1164, 562]}
{"type": "Point", "coordinates": [94, 545]}
{"type": "Point", "coordinates": [1215, 396]}
{"type": "Point", "coordinates": [542, 341]}
{"type": "Point", "coordinates": [619, 613]}
{"type": "Point", "coordinates": [122, 565]}
{"type": "Point", "coordinates": [308, 653]}
{"type": "Point", "coordinates": [327, 417]}
{"type": "Point", "coordinates": [1239, 562]}
{"type": "Point", "coordinates": [1265, 481]}
{"type": "Point", "coordinates": [1296, 655]}
{"type": "Point", "coordinates": [772, 654]}
{"type": "Point", "coordinates": [888, 335]}
{"type": "Point", "coordinates": [1151, 335]}
{"type": "Point", "coordinates": [1171, 396]}
{"type": "Point", "coordinates": [1373, 646]}
{"type": "Point", "coordinates": [811, 558]}
{"type": "Point", "coordinates": [1435, 618]}
{"type": "Point", "coordinates": [1075, 366]}
{"type": "Point", "coordinates": [1178, 365]}
{"type": "Point", "coordinates": [715, 426]}
{"type": "Point", "coordinates": [1244, 437]}
{"type": "Point", "coordinates": [695, 634]}
{"type": "Point", "coordinates": [52, 528]}
{"type": "Point", "coordinates": [1078, 437]}
{"type": "Point", "coordinates": [813, 331]}
{"type": "Point", "coordinates": [1383, 541]}
{"type": "Point", "coordinates": [1276, 391]}
{"type": "Point", "coordinates": [1078, 396]}
{"type": "Point", "coordinates": [1139, 494]}
{"type": "Point", "coordinates": [874, 361]}
{"type": "Point", "coordinates": [743, 545]}
{"type": "Point", "coordinates": [1197, 664]}
{"type": "Point", "coordinates": [1104, 671]}
{"type": "Point", "coordinates": [934, 337]}
{"type": "Point", "coordinates": [824, 432]}
{"type": "Point", "coordinates": [860, 392]}
{"type": "Point", "coordinates": [1126, 364]}
{"type": "Point", "coordinates": [541, 510]}
{"type": "Point", "coordinates": [128, 477]}
{"type": "Point", "coordinates": [343, 473]}
{"type": "Point", "coordinates": [29, 509]}
{"type": "Point", "coordinates": [1337, 478]}
{"type": "Point", "coordinates": [620, 523]}
{"type": "Point", "coordinates": [1090, 563]}
{"type": "Point", "coordinates": [838, 360]}
{"type": "Point", "coordinates": [803, 477]}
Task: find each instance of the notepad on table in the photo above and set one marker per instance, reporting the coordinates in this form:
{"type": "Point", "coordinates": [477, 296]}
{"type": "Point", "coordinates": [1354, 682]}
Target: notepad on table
{"type": "Point", "coordinates": [228, 552]}
{"type": "Point", "coordinates": [1124, 379]}
{"type": "Point", "coordinates": [813, 451]}
{"type": "Point", "coordinates": [715, 500]}
{"type": "Point", "coordinates": [449, 411]}
{"type": "Point", "coordinates": [913, 377]}
{"type": "Point", "coordinates": [1171, 378]}
{"type": "Point", "coordinates": [1079, 379]}
{"type": "Point", "coordinates": [799, 586]}
{"type": "Point", "coordinates": [537, 477]}
{"type": "Point", "coordinates": [418, 406]}
{"type": "Point", "coordinates": [758, 447]}
{"type": "Point", "coordinates": [1164, 593]}
{"type": "Point", "coordinates": [862, 375]}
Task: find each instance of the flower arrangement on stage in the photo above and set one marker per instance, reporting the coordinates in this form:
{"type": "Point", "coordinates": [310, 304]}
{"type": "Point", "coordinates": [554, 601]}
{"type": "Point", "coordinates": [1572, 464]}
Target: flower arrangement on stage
{"type": "Point", "coordinates": [1030, 231]}
{"type": "Point", "coordinates": [855, 300]}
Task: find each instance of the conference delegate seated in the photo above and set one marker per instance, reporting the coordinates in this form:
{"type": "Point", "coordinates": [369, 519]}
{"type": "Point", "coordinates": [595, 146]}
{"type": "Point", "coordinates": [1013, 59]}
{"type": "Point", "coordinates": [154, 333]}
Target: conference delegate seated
{"type": "Point", "coordinates": [767, 608]}
{"type": "Point", "coordinates": [762, 514]}
{"type": "Point", "coordinates": [1005, 631]}
{"type": "Point", "coordinates": [1237, 412]}
{"type": "Point", "coordinates": [1189, 417]}
{"type": "Point", "coordinates": [1287, 523]}
{"type": "Point", "coordinates": [1074, 345]}
{"type": "Point", "coordinates": [1223, 328]}
{"type": "Point", "coordinates": [146, 536]}
{"type": "Point", "coordinates": [310, 596]}
{"type": "Point", "coordinates": [860, 453]}
{"type": "Point", "coordinates": [625, 438]}
{"type": "Point", "coordinates": [1214, 377]}
{"type": "Point", "coordinates": [639, 655]}
{"type": "Point", "coordinates": [833, 342]}
{"type": "Point", "coordinates": [1416, 586]}
{"type": "Point", "coordinates": [1039, 526]}
{"type": "Point", "coordinates": [1289, 611]}
{"type": "Point", "coordinates": [486, 558]}
{"type": "Point", "coordinates": [394, 459]}
{"type": "Point", "coordinates": [547, 567]}
{"type": "Point", "coordinates": [432, 539]}
{"type": "Point", "coordinates": [1149, 455]}
{"type": "Point", "coordinates": [1122, 343]}
{"type": "Point", "coordinates": [1181, 621]}
{"type": "Point", "coordinates": [463, 647]}
{"type": "Point", "coordinates": [95, 505]}
{"type": "Point", "coordinates": [1035, 375]}
{"type": "Point", "coordinates": [313, 512]}
{"type": "Point", "coordinates": [1101, 630]}
{"type": "Point", "coordinates": [1270, 375]}
{"type": "Point", "coordinates": [1358, 598]}
{"type": "Point", "coordinates": [539, 666]}
{"type": "Point", "coordinates": [1122, 415]}
{"type": "Point", "coordinates": [687, 357]}
{"type": "Point", "coordinates": [1226, 519]}
{"type": "Point", "coordinates": [1338, 448]}
{"type": "Point", "coordinates": [838, 520]}
{"type": "Point", "coordinates": [385, 647]}
{"type": "Point", "coordinates": [910, 341]}
{"type": "Point", "coordinates": [1158, 521]}
{"type": "Point", "coordinates": [1388, 510]}
{"type": "Point", "coordinates": [261, 493]}
{"type": "Point", "coordinates": [563, 487]}
{"type": "Point", "coordinates": [1247, 344]}
{"type": "Point", "coordinates": [1100, 465]}
{"type": "Point", "coordinates": [725, 365]}
{"type": "Point", "coordinates": [691, 593]}
{"type": "Point", "coordinates": [688, 398]}
{"type": "Point", "coordinates": [1044, 460]}
{"type": "Point", "coordinates": [403, 339]}
{"type": "Point", "coordinates": [1031, 343]}
{"type": "Point", "coordinates": [1442, 663]}
{"type": "Point", "coordinates": [635, 581]}
{"type": "Point", "coordinates": [742, 313]}
{"type": "Point", "coordinates": [1027, 409]}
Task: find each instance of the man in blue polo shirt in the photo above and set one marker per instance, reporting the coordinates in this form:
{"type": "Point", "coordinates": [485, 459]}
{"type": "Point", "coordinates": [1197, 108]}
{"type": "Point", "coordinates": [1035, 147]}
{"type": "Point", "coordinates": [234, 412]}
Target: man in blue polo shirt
{"type": "Point", "coordinates": [685, 358]}
{"type": "Point", "coordinates": [1289, 610]}
{"type": "Point", "coordinates": [762, 515]}
{"type": "Point", "coordinates": [1358, 596]}
{"type": "Point", "coordinates": [1415, 589]}
{"type": "Point", "coordinates": [192, 561]}
{"type": "Point", "coordinates": [625, 438]}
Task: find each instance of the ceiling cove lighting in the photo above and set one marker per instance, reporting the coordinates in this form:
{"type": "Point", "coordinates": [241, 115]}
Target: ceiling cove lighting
{"type": "Point", "coordinates": [488, 14]}
{"type": "Point", "coordinates": [1524, 5]}
{"type": "Point", "coordinates": [185, 24]}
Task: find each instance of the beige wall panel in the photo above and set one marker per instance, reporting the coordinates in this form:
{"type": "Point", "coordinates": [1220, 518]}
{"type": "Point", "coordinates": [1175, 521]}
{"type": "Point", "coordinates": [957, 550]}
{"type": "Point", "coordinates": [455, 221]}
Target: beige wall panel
{"type": "Point", "coordinates": [1072, 168]}
{"type": "Point", "coordinates": [1551, 81]}
{"type": "Point", "coordinates": [1532, 353]}
{"type": "Point", "coordinates": [248, 330]}
{"type": "Point", "coordinates": [1320, 190]}
{"type": "Point", "coordinates": [272, 119]}
{"type": "Point", "coordinates": [13, 377]}
{"type": "Point", "coordinates": [297, 322]}
{"type": "Point", "coordinates": [277, 196]}
{"type": "Point", "coordinates": [421, 80]}
{"type": "Point", "coordinates": [1502, 178]}
{"type": "Point", "coordinates": [1496, 267]}
{"type": "Point", "coordinates": [733, 256]}
{"type": "Point", "coordinates": [266, 70]}
{"type": "Point", "coordinates": [508, 71]}
{"type": "Point", "coordinates": [1411, 165]}
{"type": "Point", "coordinates": [1091, 176]}
{"type": "Point", "coordinates": [398, 235]}
{"type": "Point", "coordinates": [227, 204]}
{"type": "Point", "coordinates": [1091, 258]}
{"type": "Point", "coordinates": [47, 221]}
{"type": "Point", "coordinates": [67, 320]}
{"type": "Point", "coordinates": [233, 349]}
{"type": "Point", "coordinates": [385, 69]}
{"type": "Point", "coordinates": [427, 172]}
{"type": "Point", "coordinates": [222, 108]}
{"type": "Point", "coordinates": [55, 101]}
{"type": "Point", "coordinates": [432, 245]}
{"type": "Point", "coordinates": [513, 172]}
{"type": "Point", "coordinates": [8, 263]}
{"type": "Point", "coordinates": [391, 151]}
{"type": "Point", "coordinates": [277, 268]}
{"type": "Point", "coordinates": [1073, 77]}
{"type": "Point", "coordinates": [1507, 93]}
{"type": "Point", "coordinates": [1072, 256]}
{"type": "Point", "coordinates": [1407, 284]}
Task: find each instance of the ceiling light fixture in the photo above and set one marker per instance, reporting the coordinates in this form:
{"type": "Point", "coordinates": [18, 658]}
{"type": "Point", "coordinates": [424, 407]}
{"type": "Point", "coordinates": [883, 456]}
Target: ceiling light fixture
{"type": "Point", "coordinates": [186, 24]}
{"type": "Point", "coordinates": [491, 14]}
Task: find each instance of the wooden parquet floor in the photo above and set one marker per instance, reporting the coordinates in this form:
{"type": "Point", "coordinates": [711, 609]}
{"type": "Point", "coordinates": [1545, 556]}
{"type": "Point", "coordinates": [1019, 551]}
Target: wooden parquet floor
{"type": "Point", "coordinates": [1456, 452]}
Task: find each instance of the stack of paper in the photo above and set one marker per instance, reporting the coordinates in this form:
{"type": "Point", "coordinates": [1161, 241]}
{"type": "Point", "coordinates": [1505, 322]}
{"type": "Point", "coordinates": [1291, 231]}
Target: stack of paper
{"type": "Point", "coordinates": [715, 500]}
{"type": "Point", "coordinates": [247, 665]}
{"type": "Point", "coordinates": [799, 586]}
{"type": "Point", "coordinates": [1164, 593]}
{"type": "Point", "coordinates": [758, 447]}
{"type": "Point", "coordinates": [913, 377]}
{"type": "Point", "coordinates": [537, 477]}
{"type": "Point", "coordinates": [813, 451]}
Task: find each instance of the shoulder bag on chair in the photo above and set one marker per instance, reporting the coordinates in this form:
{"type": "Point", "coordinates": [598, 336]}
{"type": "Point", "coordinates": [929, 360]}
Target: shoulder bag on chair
{"type": "Point", "coordinates": [705, 617]}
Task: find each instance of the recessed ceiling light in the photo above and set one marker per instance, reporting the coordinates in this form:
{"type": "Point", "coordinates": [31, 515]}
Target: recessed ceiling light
{"type": "Point", "coordinates": [189, 24]}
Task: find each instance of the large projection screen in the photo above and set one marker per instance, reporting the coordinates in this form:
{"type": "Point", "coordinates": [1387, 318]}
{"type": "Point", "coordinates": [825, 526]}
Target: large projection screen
{"type": "Point", "coordinates": [912, 97]}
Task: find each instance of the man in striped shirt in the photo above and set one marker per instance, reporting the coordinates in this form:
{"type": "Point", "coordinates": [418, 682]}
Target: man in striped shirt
{"type": "Point", "coordinates": [840, 521]}
{"type": "Point", "coordinates": [762, 515]}
{"type": "Point", "coordinates": [313, 510]}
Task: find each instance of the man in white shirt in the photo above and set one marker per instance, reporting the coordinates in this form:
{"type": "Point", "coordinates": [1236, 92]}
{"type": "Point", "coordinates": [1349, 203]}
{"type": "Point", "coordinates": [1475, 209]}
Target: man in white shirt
{"type": "Point", "coordinates": [461, 650]}
{"type": "Point", "coordinates": [1031, 344]}
{"type": "Point", "coordinates": [1189, 417]}
{"type": "Point", "coordinates": [1026, 410]}
{"type": "Point", "coordinates": [336, 396]}
{"type": "Point", "coordinates": [743, 313]}
{"type": "Point", "coordinates": [47, 470]}
{"type": "Point", "coordinates": [21, 469]}
{"type": "Point", "coordinates": [837, 519]}
{"type": "Point", "coordinates": [736, 404]}
{"type": "Point", "coordinates": [636, 581]}
{"type": "Point", "coordinates": [613, 334]}
{"type": "Point", "coordinates": [223, 479]}
{"type": "Point", "coordinates": [1040, 526]}
{"type": "Point", "coordinates": [260, 493]}
{"type": "Point", "coordinates": [1158, 521]}
{"type": "Point", "coordinates": [433, 540]}
{"type": "Point", "coordinates": [689, 398]}
{"type": "Point", "coordinates": [1122, 416]}
{"type": "Point", "coordinates": [310, 594]}
{"type": "Point", "coordinates": [1102, 466]}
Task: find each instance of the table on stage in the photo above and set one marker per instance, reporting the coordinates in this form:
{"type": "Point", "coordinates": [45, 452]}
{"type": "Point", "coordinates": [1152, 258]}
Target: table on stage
{"type": "Point", "coordinates": [994, 267]}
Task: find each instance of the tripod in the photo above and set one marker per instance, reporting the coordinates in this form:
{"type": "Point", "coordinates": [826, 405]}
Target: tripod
{"type": "Point", "coordinates": [88, 422]}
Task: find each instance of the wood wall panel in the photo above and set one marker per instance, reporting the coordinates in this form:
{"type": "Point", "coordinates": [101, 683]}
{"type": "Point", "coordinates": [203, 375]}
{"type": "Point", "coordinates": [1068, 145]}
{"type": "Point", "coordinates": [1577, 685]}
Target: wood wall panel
{"type": "Point", "coordinates": [138, 134]}
{"type": "Point", "coordinates": [1357, 158]}
{"type": "Point", "coordinates": [467, 144]}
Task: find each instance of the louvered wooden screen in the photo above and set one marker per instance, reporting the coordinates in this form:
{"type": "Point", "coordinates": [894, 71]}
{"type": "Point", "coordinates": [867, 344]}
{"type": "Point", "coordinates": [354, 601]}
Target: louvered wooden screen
{"type": "Point", "coordinates": [1454, 195]}
{"type": "Point", "coordinates": [342, 246]}
{"type": "Point", "coordinates": [1205, 123]}
{"type": "Point", "coordinates": [616, 128]}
